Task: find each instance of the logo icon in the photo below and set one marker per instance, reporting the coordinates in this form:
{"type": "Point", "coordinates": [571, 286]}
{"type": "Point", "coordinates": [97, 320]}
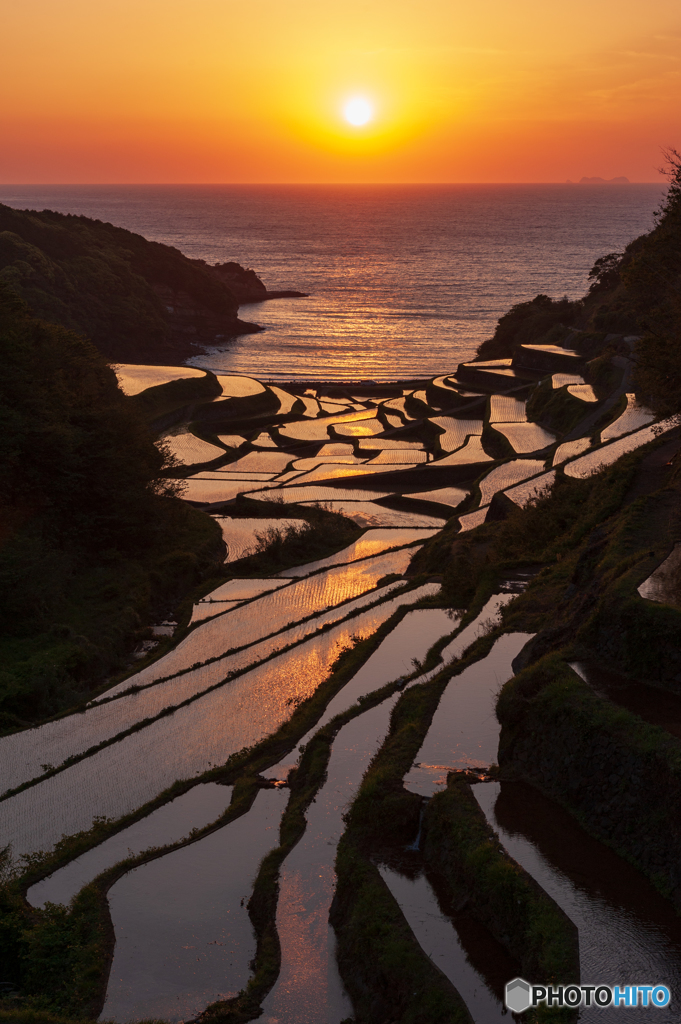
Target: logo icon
{"type": "Point", "coordinates": [518, 995]}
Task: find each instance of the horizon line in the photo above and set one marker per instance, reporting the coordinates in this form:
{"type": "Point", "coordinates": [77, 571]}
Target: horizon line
{"type": "Point", "coordinates": [304, 184]}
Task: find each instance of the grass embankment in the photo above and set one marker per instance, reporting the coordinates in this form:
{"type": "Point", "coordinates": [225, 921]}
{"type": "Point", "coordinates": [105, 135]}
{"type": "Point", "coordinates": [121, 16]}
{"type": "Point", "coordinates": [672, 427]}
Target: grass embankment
{"type": "Point", "coordinates": [554, 531]}
{"type": "Point", "coordinates": [156, 403]}
{"type": "Point", "coordinates": [222, 415]}
{"type": "Point", "coordinates": [321, 533]}
{"type": "Point", "coordinates": [463, 848]}
{"type": "Point", "coordinates": [620, 776]}
{"type": "Point", "coordinates": [74, 945]}
{"type": "Point", "coordinates": [617, 774]}
{"type": "Point", "coordinates": [555, 408]}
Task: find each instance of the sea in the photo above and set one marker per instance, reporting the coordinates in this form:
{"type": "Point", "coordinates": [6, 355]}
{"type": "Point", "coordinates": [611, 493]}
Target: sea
{"type": "Point", "coordinates": [404, 281]}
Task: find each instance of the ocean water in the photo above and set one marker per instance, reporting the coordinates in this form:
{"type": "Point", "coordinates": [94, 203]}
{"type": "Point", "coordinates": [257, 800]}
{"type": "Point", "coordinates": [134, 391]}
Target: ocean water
{"type": "Point", "coordinates": [403, 280]}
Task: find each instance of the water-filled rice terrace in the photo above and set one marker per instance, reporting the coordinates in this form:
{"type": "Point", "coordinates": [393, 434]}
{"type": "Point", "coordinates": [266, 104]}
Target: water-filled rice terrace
{"type": "Point", "coordinates": [218, 712]}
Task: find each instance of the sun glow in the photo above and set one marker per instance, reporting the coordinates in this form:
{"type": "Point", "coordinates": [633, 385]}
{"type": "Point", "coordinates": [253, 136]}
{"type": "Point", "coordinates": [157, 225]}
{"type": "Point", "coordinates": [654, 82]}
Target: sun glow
{"type": "Point", "coordinates": [358, 111]}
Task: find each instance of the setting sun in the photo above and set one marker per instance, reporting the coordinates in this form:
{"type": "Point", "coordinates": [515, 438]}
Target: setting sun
{"type": "Point", "coordinates": [358, 111]}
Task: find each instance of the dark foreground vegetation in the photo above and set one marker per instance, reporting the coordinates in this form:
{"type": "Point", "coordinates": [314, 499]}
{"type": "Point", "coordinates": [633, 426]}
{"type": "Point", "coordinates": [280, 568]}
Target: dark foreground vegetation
{"type": "Point", "coordinates": [94, 541]}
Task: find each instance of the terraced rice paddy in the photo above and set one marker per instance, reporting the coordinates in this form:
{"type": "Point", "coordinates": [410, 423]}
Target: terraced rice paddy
{"type": "Point", "coordinates": [664, 585]}
{"type": "Point", "coordinates": [309, 987]}
{"type": "Point", "coordinates": [371, 445]}
{"type": "Point", "coordinates": [350, 415]}
{"type": "Point", "coordinates": [264, 440]}
{"type": "Point", "coordinates": [445, 383]}
{"type": "Point", "coordinates": [332, 407]}
{"type": "Point", "coordinates": [507, 475]}
{"type": "Point", "coordinates": [473, 519]}
{"type": "Point", "coordinates": [256, 650]}
{"type": "Point", "coordinates": [278, 610]}
{"type": "Point", "coordinates": [360, 428]}
{"type": "Point", "coordinates": [525, 437]}
{"type": "Point", "coordinates": [306, 465]}
{"type": "Point", "coordinates": [187, 683]}
{"type": "Point", "coordinates": [309, 495]}
{"type": "Point", "coordinates": [626, 929]}
{"type": "Point", "coordinates": [368, 513]}
{"type": "Point", "coordinates": [126, 774]}
{"type": "Point", "coordinates": [292, 474]}
{"type": "Point", "coordinates": [372, 542]}
{"type": "Point", "coordinates": [633, 417]}
{"type": "Point", "coordinates": [259, 462]}
{"type": "Point", "coordinates": [490, 614]}
{"type": "Point", "coordinates": [604, 456]}
{"type": "Point", "coordinates": [305, 430]}
{"type": "Point", "coordinates": [312, 407]}
{"type": "Point", "coordinates": [240, 535]}
{"type": "Point", "coordinates": [538, 486]}
{"type": "Point", "coordinates": [190, 450]}
{"type": "Point", "coordinates": [224, 475]}
{"type": "Point", "coordinates": [397, 405]}
{"type": "Point", "coordinates": [471, 453]}
{"type": "Point", "coordinates": [134, 378]}
{"type": "Point", "coordinates": [570, 449]}
{"type": "Point", "coordinates": [439, 940]}
{"type": "Point", "coordinates": [505, 409]}
{"type": "Point", "coordinates": [561, 380]}
{"type": "Point", "coordinates": [286, 400]}
{"type": "Point", "coordinates": [335, 448]}
{"type": "Point", "coordinates": [327, 471]}
{"type": "Point", "coordinates": [231, 440]}
{"type": "Point", "coordinates": [235, 386]}
{"type": "Point", "coordinates": [395, 659]}
{"type": "Point", "coordinates": [451, 496]}
{"type": "Point", "coordinates": [583, 391]}
{"type": "Point", "coordinates": [168, 824]}
{"type": "Point", "coordinates": [464, 732]}
{"type": "Point", "coordinates": [243, 590]}
{"type": "Point", "coordinates": [392, 456]}
{"type": "Point", "coordinates": [207, 609]}
{"type": "Point", "coordinates": [183, 935]}
{"type": "Point", "coordinates": [207, 491]}
{"type": "Point", "coordinates": [455, 431]}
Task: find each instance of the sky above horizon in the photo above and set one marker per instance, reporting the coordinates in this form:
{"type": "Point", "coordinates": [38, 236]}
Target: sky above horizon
{"type": "Point", "coordinates": [214, 91]}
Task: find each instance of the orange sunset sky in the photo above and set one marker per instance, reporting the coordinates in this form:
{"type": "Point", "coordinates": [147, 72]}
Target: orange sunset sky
{"type": "Point", "coordinates": [220, 91]}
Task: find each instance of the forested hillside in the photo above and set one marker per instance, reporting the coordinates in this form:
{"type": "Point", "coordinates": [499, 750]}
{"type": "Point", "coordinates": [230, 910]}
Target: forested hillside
{"type": "Point", "coordinates": [137, 301]}
{"type": "Point", "coordinates": [636, 292]}
{"type": "Point", "coordinates": [91, 537]}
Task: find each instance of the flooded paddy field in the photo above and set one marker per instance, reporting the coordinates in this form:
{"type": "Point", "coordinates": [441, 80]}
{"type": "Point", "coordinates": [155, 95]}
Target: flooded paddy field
{"type": "Point", "coordinates": [255, 650]}
{"type": "Point", "coordinates": [627, 931]}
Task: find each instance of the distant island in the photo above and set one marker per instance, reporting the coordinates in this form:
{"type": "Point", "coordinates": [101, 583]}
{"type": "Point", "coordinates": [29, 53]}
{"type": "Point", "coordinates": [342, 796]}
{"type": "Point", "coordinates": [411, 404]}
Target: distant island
{"type": "Point", "coordinates": [621, 180]}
